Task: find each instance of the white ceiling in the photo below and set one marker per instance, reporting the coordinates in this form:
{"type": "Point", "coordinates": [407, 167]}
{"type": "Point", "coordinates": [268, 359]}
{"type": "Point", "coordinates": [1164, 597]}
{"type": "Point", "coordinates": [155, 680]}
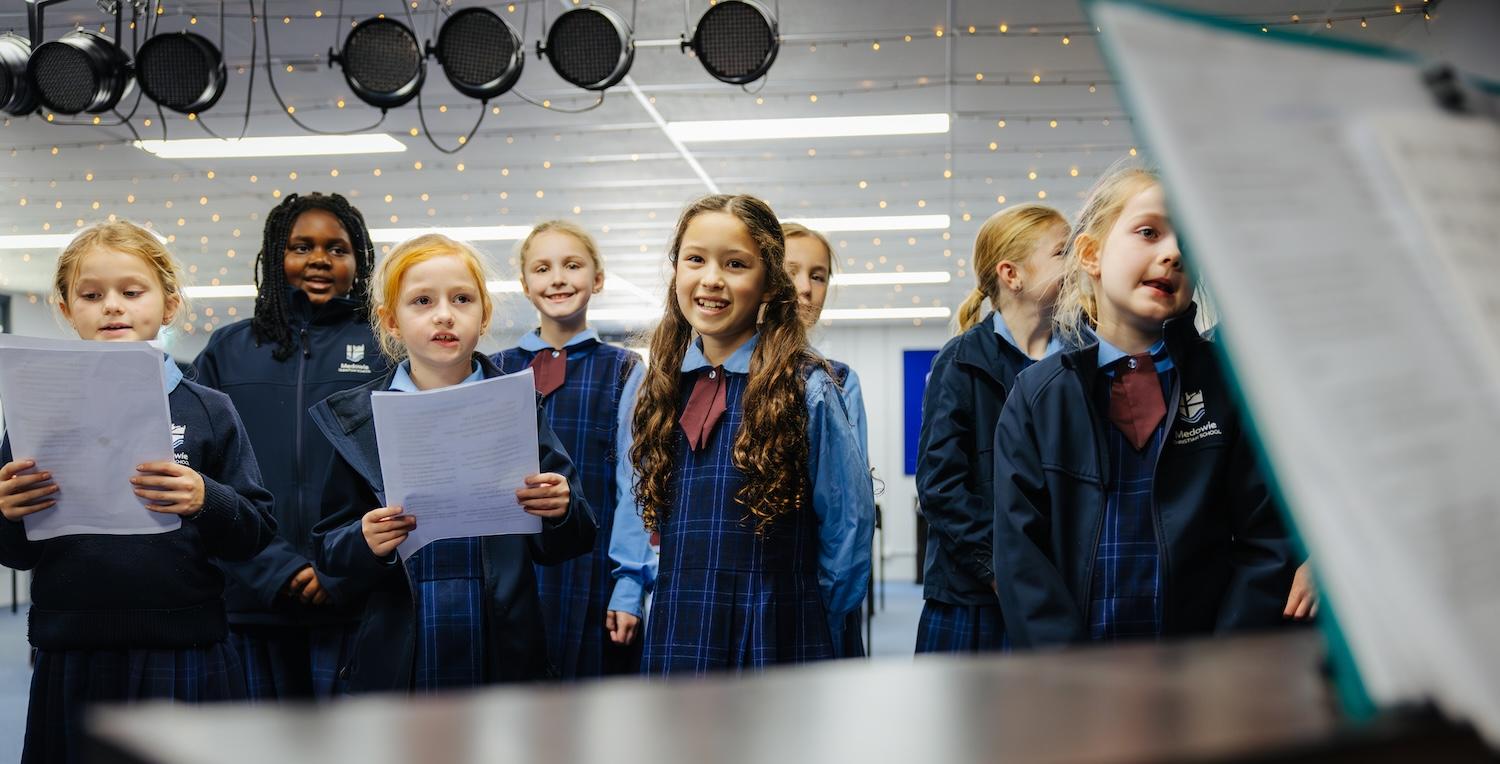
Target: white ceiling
{"type": "Point", "coordinates": [614, 164]}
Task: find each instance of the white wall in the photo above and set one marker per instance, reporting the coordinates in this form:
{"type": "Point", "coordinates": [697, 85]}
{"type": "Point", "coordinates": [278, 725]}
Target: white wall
{"type": "Point", "coordinates": [875, 353]}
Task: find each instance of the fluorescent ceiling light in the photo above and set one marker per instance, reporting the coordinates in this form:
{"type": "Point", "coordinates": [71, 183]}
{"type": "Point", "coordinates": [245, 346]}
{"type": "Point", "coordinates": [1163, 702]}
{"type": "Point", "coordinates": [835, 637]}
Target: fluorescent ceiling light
{"type": "Point", "coordinates": [220, 291]}
{"type": "Point", "coordinates": [499, 287]}
{"type": "Point", "coordinates": [899, 277]}
{"type": "Point", "coordinates": [462, 233]}
{"type": "Point", "coordinates": [273, 146]}
{"type": "Point", "coordinates": [881, 223]}
{"type": "Point", "coordinates": [47, 240]}
{"type": "Point", "coordinates": [868, 314]}
{"type": "Point", "coordinates": [807, 127]}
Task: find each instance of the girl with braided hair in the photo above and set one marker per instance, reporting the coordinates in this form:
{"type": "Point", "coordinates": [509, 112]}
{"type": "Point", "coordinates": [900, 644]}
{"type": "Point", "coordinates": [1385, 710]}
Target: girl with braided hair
{"type": "Point", "coordinates": [309, 338]}
{"type": "Point", "coordinates": [745, 463]}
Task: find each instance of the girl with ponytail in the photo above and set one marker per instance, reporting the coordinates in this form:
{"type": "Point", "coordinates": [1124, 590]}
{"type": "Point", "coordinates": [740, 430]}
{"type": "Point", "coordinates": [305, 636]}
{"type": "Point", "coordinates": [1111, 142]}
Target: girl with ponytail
{"type": "Point", "coordinates": [1018, 264]}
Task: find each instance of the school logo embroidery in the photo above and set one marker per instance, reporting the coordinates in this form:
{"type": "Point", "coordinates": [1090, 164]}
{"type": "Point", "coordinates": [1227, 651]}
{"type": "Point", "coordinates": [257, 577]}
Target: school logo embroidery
{"type": "Point", "coordinates": [1190, 410]}
{"type": "Point", "coordinates": [179, 443]}
{"type": "Point", "coordinates": [353, 355]}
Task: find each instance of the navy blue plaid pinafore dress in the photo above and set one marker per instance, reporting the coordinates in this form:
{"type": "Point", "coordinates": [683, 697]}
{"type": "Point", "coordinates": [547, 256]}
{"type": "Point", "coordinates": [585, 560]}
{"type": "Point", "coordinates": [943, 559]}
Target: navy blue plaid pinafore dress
{"type": "Point", "coordinates": [727, 599]}
{"type": "Point", "coordinates": [575, 594]}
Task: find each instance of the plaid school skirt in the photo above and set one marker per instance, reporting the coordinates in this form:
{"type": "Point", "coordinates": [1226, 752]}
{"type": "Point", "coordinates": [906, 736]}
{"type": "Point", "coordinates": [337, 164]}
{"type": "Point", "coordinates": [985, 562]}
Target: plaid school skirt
{"type": "Point", "coordinates": [946, 628]}
{"type": "Point", "coordinates": [66, 682]}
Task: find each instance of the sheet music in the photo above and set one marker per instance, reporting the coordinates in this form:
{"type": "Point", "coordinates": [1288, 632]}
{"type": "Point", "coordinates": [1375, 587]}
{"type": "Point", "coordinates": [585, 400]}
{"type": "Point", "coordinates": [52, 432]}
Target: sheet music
{"type": "Point", "coordinates": [454, 457]}
{"type": "Point", "coordinates": [88, 412]}
{"type": "Point", "coordinates": [1379, 415]}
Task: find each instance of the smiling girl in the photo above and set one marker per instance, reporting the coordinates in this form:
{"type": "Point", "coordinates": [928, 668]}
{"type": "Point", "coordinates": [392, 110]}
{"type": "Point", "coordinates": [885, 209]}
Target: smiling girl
{"type": "Point", "coordinates": [123, 618]}
{"type": "Point", "coordinates": [1128, 504]}
{"type": "Point", "coordinates": [459, 612]}
{"type": "Point", "coordinates": [745, 461]}
{"type": "Point", "coordinates": [588, 388]}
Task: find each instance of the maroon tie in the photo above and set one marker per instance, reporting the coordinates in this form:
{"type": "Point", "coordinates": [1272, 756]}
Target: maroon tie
{"type": "Point", "coordinates": [550, 368]}
{"type": "Point", "coordinates": [1135, 402]}
{"type": "Point", "coordinates": [704, 407]}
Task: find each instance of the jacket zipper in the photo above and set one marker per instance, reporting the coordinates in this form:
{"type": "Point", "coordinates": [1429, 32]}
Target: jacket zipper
{"type": "Point", "coordinates": [301, 412]}
{"type": "Point", "coordinates": [1161, 544]}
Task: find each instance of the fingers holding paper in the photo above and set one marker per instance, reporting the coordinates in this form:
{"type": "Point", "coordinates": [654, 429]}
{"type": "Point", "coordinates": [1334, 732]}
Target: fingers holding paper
{"type": "Point", "coordinates": [545, 495]}
{"type": "Point", "coordinates": [385, 528]}
{"type": "Point", "coordinates": [169, 487]}
{"type": "Point", "coordinates": [23, 491]}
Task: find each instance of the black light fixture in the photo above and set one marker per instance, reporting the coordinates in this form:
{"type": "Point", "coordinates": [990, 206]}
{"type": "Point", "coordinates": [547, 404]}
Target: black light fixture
{"type": "Point", "coordinates": [736, 41]}
{"type": "Point", "coordinates": [382, 62]}
{"type": "Point", "coordinates": [182, 71]}
{"type": "Point", "coordinates": [480, 53]}
{"type": "Point", "coordinates": [590, 47]}
{"type": "Point", "coordinates": [16, 96]}
{"type": "Point", "coordinates": [80, 71]}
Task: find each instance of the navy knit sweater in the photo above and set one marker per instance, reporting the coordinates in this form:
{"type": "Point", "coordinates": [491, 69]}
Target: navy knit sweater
{"type": "Point", "coordinates": [94, 591]}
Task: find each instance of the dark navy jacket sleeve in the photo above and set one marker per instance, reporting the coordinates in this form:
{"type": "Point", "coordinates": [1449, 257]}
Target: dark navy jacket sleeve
{"type": "Point", "coordinates": [1263, 561]}
{"type": "Point", "coordinates": [16, 551]}
{"type": "Point", "coordinates": [340, 542]}
{"type": "Point", "coordinates": [1039, 610]}
{"type": "Point", "coordinates": [956, 513]}
{"type": "Point", "coordinates": [573, 534]}
{"type": "Point", "coordinates": [236, 520]}
{"type": "Point", "coordinates": [206, 366]}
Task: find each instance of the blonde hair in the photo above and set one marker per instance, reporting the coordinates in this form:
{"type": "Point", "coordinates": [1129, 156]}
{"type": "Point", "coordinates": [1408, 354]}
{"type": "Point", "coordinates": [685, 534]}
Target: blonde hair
{"type": "Point", "coordinates": [121, 236]}
{"type": "Point", "coordinates": [1008, 236]}
{"type": "Point", "coordinates": [794, 230]}
{"type": "Point", "coordinates": [560, 226]}
{"type": "Point", "coordinates": [1077, 304]}
{"type": "Point", "coordinates": [386, 288]}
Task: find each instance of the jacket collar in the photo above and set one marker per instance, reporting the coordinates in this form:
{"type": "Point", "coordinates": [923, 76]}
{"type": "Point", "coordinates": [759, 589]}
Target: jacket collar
{"type": "Point", "coordinates": [337, 310]}
{"type": "Point", "coordinates": [351, 408]}
{"type": "Point", "coordinates": [1179, 332]}
{"type": "Point", "coordinates": [981, 348]}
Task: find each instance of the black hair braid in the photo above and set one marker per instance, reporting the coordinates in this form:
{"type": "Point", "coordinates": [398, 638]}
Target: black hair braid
{"type": "Point", "coordinates": [271, 323]}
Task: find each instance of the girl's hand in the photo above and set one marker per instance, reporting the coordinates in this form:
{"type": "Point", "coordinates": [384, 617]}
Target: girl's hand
{"type": "Point", "coordinates": [169, 487]}
{"type": "Point", "coordinates": [385, 528]}
{"type": "Point", "coordinates": [305, 587]}
{"type": "Point", "coordinates": [22, 494]}
{"type": "Point", "coordinates": [1302, 603]}
{"type": "Point", "coordinates": [545, 495]}
{"type": "Point", "coordinates": [621, 626]}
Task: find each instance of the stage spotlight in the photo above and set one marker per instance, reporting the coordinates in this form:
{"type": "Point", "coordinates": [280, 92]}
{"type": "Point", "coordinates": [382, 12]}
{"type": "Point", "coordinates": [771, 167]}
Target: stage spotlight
{"type": "Point", "coordinates": [16, 95]}
{"type": "Point", "coordinates": [182, 71]}
{"type": "Point", "coordinates": [382, 63]}
{"type": "Point", "coordinates": [736, 41]}
{"type": "Point", "coordinates": [480, 53]}
{"type": "Point", "coordinates": [80, 71]}
{"type": "Point", "coordinates": [590, 47]}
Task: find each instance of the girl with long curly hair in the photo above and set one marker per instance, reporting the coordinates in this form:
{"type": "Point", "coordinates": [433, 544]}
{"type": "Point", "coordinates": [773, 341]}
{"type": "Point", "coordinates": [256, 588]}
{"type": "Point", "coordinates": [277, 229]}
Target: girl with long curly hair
{"type": "Point", "coordinates": [746, 466]}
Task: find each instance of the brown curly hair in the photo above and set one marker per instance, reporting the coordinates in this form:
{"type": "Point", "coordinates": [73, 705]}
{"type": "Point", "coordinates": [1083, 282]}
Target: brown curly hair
{"type": "Point", "coordinates": [771, 447]}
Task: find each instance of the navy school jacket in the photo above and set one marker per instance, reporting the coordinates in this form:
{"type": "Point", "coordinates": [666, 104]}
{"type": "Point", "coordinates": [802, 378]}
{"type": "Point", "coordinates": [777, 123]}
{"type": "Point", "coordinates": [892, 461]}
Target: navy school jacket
{"type": "Point", "coordinates": [955, 466]}
{"type": "Point", "coordinates": [1227, 561]}
{"type": "Point", "coordinates": [154, 590]}
{"type": "Point", "coordinates": [335, 351]}
{"type": "Point", "coordinates": [382, 655]}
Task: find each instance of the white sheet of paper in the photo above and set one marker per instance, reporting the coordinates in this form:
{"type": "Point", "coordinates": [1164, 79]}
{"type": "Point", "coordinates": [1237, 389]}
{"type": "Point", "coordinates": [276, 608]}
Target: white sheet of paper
{"type": "Point", "coordinates": [88, 412]}
{"type": "Point", "coordinates": [454, 458]}
{"type": "Point", "coordinates": [1359, 307]}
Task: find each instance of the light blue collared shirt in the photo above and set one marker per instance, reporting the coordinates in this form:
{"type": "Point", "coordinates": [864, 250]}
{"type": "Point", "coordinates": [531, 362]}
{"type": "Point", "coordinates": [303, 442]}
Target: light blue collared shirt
{"type": "Point", "coordinates": [1109, 354]}
{"type": "Point", "coordinates": [402, 381]}
{"type": "Point", "coordinates": [843, 495]}
{"type": "Point", "coordinates": [171, 374]}
{"type": "Point", "coordinates": [1054, 343]}
{"type": "Point", "coordinates": [629, 544]}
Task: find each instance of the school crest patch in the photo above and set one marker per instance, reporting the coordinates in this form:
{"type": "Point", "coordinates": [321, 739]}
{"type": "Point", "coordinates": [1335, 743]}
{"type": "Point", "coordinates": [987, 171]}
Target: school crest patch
{"type": "Point", "coordinates": [179, 444]}
{"type": "Point", "coordinates": [1190, 408]}
{"type": "Point", "coordinates": [354, 355]}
